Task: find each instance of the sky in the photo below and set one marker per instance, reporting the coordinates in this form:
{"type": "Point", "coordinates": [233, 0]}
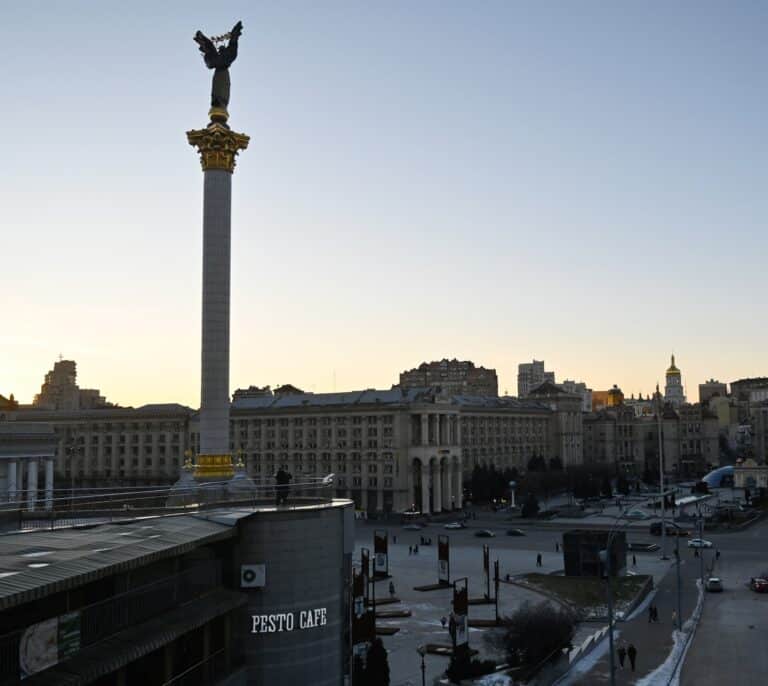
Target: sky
{"type": "Point", "coordinates": [499, 181]}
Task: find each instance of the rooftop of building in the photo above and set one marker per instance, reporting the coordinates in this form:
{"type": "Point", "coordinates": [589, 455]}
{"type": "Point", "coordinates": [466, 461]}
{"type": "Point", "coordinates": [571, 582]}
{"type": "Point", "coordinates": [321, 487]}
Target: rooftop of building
{"type": "Point", "coordinates": [37, 563]}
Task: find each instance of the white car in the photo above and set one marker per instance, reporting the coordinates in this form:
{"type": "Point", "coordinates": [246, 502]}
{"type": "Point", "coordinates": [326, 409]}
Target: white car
{"type": "Point", "coordinates": [699, 543]}
{"type": "Point", "coordinates": [455, 525]}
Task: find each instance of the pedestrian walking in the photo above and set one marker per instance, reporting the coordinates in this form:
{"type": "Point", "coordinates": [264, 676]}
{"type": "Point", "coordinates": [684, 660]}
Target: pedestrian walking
{"type": "Point", "coordinates": [538, 560]}
{"type": "Point", "coordinates": [443, 621]}
{"type": "Point", "coordinates": [632, 655]}
{"type": "Point", "coordinates": [391, 589]}
{"type": "Point", "coordinates": [410, 550]}
{"type": "Point", "coordinates": [655, 614]}
{"type": "Point", "coordinates": [557, 547]}
{"type": "Point", "coordinates": [634, 561]}
{"type": "Point", "coordinates": [650, 613]}
{"type": "Point", "coordinates": [394, 539]}
{"type": "Point", "coordinates": [622, 651]}
{"type": "Point", "coordinates": [717, 554]}
{"type": "Point", "coordinates": [674, 617]}
{"type": "Point", "coordinates": [415, 550]}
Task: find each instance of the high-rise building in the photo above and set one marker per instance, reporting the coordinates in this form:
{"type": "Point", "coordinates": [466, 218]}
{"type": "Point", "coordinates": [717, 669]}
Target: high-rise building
{"type": "Point", "coordinates": [710, 389]}
{"type": "Point", "coordinates": [579, 388]}
{"type": "Point", "coordinates": [61, 392]}
{"type": "Point", "coordinates": [530, 375]}
{"type": "Point", "coordinates": [673, 390]}
{"type": "Point", "coordinates": [454, 377]}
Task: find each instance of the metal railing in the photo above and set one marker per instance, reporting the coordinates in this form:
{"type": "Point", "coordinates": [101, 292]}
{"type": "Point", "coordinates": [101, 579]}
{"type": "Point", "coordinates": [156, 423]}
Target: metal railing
{"type": "Point", "coordinates": [104, 504]}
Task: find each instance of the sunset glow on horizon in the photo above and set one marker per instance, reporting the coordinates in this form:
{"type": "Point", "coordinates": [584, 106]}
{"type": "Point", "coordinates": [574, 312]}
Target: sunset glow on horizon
{"type": "Point", "coordinates": [496, 183]}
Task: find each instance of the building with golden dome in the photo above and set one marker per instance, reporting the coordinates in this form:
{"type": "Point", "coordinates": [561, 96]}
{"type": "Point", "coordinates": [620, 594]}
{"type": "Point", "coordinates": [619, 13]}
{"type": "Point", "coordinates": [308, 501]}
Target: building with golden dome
{"type": "Point", "coordinates": [673, 390]}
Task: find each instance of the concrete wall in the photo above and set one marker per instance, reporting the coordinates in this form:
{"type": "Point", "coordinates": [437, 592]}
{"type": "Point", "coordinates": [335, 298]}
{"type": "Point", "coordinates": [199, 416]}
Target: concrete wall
{"type": "Point", "coordinates": [308, 559]}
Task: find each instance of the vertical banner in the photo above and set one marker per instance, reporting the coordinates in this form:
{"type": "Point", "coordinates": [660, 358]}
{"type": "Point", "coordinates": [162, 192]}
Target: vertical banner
{"type": "Point", "coordinates": [365, 571]}
{"type": "Point", "coordinates": [363, 621]}
{"type": "Point", "coordinates": [487, 569]}
{"type": "Point", "coordinates": [443, 561]}
{"type": "Point", "coordinates": [461, 612]}
{"type": "Point", "coordinates": [380, 554]}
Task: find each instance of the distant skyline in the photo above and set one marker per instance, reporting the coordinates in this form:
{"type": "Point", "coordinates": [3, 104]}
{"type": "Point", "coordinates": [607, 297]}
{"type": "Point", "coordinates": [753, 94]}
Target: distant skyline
{"type": "Point", "coordinates": [579, 183]}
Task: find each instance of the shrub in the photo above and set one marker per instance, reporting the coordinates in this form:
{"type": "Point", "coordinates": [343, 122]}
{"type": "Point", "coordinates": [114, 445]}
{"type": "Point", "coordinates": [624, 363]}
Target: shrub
{"type": "Point", "coordinates": [534, 632]}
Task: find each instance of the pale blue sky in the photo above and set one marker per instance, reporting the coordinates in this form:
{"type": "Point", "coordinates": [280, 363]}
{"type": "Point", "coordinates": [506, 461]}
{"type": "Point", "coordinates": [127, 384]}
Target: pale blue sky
{"type": "Point", "coordinates": [582, 182]}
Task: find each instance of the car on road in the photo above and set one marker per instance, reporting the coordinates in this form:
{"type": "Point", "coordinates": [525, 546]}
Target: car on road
{"type": "Point", "coordinates": [485, 533]}
{"type": "Point", "coordinates": [714, 584]}
{"type": "Point", "coordinates": [699, 543]}
{"type": "Point", "coordinates": [672, 529]}
{"type": "Point", "coordinates": [413, 527]}
{"type": "Point", "coordinates": [455, 525]}
{"type": "Point", "coordinates": [515, 532]}
{"type": "Point", "coordinates": [759, 585]}
{"type": "Point", "coordinates": [636, 514]}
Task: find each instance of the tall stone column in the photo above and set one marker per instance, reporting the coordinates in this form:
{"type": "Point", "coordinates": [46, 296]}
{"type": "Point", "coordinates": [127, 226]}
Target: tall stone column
{"type": "Point", "coordinates": [12, 481]}
{"type": "Point", "coordinates": [424, 428]}
{"type": "Point", "coordinates": [448, 485]}
{"type": "Point", "coordinates": [49, 484]}
{"type": "Point", "coordinates": [31, 484]}
{"type": "Point", "coordinates": [218, 147]}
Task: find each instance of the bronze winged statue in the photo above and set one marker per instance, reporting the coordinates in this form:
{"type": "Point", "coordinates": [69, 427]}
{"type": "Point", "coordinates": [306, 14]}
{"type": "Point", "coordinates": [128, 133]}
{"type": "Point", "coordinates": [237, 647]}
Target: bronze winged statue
{"type": "Point", "coordinates": [219, 60]}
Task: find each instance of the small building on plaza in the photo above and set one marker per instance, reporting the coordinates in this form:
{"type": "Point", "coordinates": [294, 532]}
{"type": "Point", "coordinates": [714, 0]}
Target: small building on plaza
{"type": "Point", "coordinates": [581, 552]}
{"type": "Point", "coordinates": [749, 474]}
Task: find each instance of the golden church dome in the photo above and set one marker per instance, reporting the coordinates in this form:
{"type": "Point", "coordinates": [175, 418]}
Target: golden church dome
{"type": "Point", "coordinates": [673, 371]}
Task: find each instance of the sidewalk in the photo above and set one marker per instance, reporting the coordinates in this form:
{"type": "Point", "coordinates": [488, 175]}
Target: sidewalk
{"type": "Point", "coordinates": [652, 641]}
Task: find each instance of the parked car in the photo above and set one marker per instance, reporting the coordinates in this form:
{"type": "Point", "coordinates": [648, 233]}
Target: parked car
{"type": "Point", "coordinates": [672, 529]}
{"type": "Point", "coordinates": [455, 525]}
{"type": "Point", "coordinates": [485, 533]}
{"type": "Point", "coordinates": [699, 543]}
{"type": "Point", "coordinates": [413, 527]}
{"type": "Point", "coordinates": [714, 584]}
{"type": "Point", "coordinates": [515, 532]}
{"type": "Point", "coordinates": [759, 585]}
{"type": "Point", "coordinates": [636, 514]}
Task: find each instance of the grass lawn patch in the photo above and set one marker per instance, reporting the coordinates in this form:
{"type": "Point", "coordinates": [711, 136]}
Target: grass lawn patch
{"type": "Point", "coordinates": [589, 594]}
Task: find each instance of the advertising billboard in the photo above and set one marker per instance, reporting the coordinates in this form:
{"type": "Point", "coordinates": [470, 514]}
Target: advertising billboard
{"type": "Point", "coordinates": [461, 612]}
{"type": "Point", "coordinates": [47, 643]}
{"type": "Point", "coordinates": [380, 554]}
{"type": "Point", "coordinates": [443, 560]}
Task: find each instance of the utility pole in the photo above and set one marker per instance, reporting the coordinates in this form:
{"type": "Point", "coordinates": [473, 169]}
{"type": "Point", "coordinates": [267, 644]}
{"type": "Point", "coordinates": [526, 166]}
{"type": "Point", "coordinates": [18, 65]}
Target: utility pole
{"type": "Point", "coordinates": [661, 476]}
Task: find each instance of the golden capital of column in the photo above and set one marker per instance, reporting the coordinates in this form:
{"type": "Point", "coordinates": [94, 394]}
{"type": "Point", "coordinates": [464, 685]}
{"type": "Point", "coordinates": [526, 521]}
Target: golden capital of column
{"type": "Point", "coordinates": [217, 144]}
{"type": "Point", "coordinates": [213, 467]}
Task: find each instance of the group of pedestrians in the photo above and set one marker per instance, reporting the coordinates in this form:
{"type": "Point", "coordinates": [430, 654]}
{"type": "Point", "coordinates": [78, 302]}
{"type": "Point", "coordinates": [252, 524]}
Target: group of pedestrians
{"type": "Point", "coordinates": [425, 541]}
{"type": "Point", "coordinates": [627, 651]}
{"type": "Point", "coordinates": [413, 550]}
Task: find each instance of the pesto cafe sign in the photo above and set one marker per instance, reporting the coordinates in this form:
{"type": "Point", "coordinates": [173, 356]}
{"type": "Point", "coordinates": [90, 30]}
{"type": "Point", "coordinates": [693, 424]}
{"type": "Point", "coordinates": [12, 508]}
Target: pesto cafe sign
{"type": "Point", "coordinates": [288, 621]}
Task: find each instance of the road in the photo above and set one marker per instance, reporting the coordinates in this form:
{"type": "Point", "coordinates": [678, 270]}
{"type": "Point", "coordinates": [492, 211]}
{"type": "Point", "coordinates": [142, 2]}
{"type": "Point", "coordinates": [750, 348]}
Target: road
{"type": "Point", "coordinates": [734, 623]}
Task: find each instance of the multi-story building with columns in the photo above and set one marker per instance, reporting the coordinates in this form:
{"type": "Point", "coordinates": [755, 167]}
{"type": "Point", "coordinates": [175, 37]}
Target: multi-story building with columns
{"type": "Point", "coordinates": [392, 450]}
{"type": "Point", "coordinates": [27, 452]}
{"type": "Point", "coordinates": [115, 446]}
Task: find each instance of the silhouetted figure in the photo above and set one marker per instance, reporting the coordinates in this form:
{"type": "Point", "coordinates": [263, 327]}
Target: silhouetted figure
{"type": "Point", "coordinates": [634, 561]}
{"type": "Point", "coordinates": [717, 555]}
{"type": "Point", "coordinates": [622, 652]}
{"type": "Point", "coordinates": [394, 539]}
{"type": "Point", "coordinates": [415, 550]}
{"type": "Point", "coordinates": [391, 588]}
{"type": "Point", "coordinates": [538, 560]}
{"type": "Point", "coordinates": [632, 654]}
{"type": "Point", "coordinates": [410, 550]}
{"type": "Point", "coordinates": [650, 613]}
{"type": "Point", "coordinates": [557, 547]}
{"type": "Point", "coordinates": [282, 478]}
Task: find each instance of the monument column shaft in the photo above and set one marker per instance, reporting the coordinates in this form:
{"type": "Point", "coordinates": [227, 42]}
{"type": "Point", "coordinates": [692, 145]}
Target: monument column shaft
{"type": "Point", "coordinates": [214, 394]}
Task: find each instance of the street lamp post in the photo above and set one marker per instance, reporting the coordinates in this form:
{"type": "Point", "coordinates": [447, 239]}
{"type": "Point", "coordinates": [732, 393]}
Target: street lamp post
{"type": "Point", "coordinates": [664, 555]}
{"type": "Point", "coordinates": [422, 651]}
{"type": "Point", "coordinates": [71, 452]}
{"type": "Point", "coordinates": [605, 557]}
